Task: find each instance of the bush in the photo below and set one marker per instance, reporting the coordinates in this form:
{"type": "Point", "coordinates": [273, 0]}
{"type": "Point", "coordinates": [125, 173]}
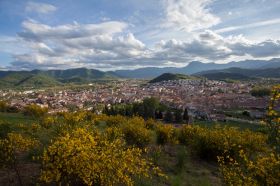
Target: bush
{"type": "Point", "coordinates": [5, 128]}
{"type": "Point", "coordinates": [151, 124]}
{"type": "Point", "coordinates": [248, 169]}
{"type": "Point", "coordinates": [35, 111]}
{"type": "Point", "coordinates": [117, 120]}
{"type": "Point", "coordinates": [260, 92]}
{"type": "Point", "coordinates": [48, 121]}
{"type": "Point", "coordinates": [135, 132]}
{"type": "Point", "coordinates": [210, 143]}
{"type": "Point", "coordinates": [88, 158]}
{"type": "Point", "coordinates": [3, 106]}
{"type": "Point", "coordinates": [166, 134]}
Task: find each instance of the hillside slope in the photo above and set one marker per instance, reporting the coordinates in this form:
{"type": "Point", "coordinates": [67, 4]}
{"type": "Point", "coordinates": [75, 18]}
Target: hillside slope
{"type": "Point", "coordinates": [170, 76]}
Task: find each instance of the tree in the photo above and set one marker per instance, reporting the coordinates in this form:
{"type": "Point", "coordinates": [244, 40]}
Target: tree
{"type": "Point", "coordinates": [186, 115]}
{"type": "Point", "coordinates": [178, 116]}
{"type": "Point", "coordinates": [138, 109]}
{"type": "Point", "coordinates": [260, 92]}
{"type": "Point", "coordinates": [168, 117]}
{"type": "Point", "coordinates": [150, 107]}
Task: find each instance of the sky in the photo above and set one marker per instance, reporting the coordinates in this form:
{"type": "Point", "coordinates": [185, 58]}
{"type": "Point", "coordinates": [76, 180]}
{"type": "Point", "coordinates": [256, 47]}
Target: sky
{"type": "Point", "coordinates": [129, 34]}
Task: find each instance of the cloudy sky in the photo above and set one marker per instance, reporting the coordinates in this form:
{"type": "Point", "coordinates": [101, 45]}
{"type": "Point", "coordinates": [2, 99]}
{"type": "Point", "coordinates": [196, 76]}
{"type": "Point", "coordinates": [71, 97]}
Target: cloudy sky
{"type": "Point", "coordinates": [126, 34]}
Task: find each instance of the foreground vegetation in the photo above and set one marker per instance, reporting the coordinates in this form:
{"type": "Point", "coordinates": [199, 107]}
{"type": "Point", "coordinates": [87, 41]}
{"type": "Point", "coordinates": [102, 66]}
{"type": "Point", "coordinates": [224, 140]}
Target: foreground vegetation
{"type": "Point", "coordinates": [83, 148]}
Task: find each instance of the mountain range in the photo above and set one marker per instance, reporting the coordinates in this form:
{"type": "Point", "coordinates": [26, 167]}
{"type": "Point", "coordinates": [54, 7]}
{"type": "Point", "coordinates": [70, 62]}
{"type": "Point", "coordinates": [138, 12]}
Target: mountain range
{"type": "Point", "coordinates": [196, 66]}
{"type": "Point", "coordinates": [39, 78]}
{"type": "Point", "coordinates": [233, 70]}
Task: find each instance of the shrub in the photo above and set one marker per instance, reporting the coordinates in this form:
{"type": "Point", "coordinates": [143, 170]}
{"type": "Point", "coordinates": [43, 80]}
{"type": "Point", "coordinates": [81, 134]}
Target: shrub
{"type": "Point", "coordinates": [84, 157]}
{"type": "Point", "coordinates": [248, 169]}
{"type": "Point", "coordinates": [273, 119]}
{"type": "Point", "coordinates": [48, 121]}
{"type": "Point", "coordinates": [34, 111]}
{"type": "Point", "coordinates": [5, 128]}
{"type": "Point", "coordinates": [166, 134]}
{"type": "Point", "coordinates": [12, 148]}
{"type": "Point", "coordinates": [210, 143]}
{"type": "Point", "coordinates": [3, 106]}
{"type": "Point", "coordinates": [260, 92]}
{"type": "Point", "coordinates": [135, 132]}
{"type": "Point", "coordinates": [117, 120]}
{"type": "Point", "coordinates": [151, 124]}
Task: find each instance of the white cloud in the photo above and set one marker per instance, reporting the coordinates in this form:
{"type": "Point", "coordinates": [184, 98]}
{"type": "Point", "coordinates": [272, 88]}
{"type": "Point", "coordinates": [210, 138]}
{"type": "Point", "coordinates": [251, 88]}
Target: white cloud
{"type": "Point", "coordinates": [189, 15]}
{"type": "Point", "coordinates": [104, 44]}
{"type": "Point", "coordinates": [251, 25]}
{"type": "Point", "coordinates": [110, 45]}
{"type": "Point", "coordinates": [37, 31]}
{"type": "Point", "coordinates": [41, 8]}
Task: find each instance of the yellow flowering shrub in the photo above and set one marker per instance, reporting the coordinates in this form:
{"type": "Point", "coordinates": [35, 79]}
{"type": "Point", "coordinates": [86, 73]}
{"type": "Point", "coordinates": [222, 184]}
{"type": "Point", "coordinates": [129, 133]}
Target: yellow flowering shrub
{"type": "Point", "coordinates": [257, 167]}
{"type": "Point", "coordinates": [89, 158]}
{"type": "Point", "coordinates": [113, 133]}
{"type": "Point", "coordinates": [117, 120]}
{"type": "Point", "coordinates": [210, 143]}
{"type": "Point", "coordinates": [48, 121]}
{"type": "Point", "coordinates": [151, 124]}
{"type": "Point", "coordinates": [135, 132]}
{"type": "Point", "coordinates": [74, 118]}
{"type": "Point", "coordinates": [167, 134]}
{"type": "Point", "coordinates": [12, 148]}
{"type": "Point", "coordinates": [260, 169]}
{"type": "Point", "coordinates": [35, 111]}
{"type": "Point", "coordinates": [273, 118]}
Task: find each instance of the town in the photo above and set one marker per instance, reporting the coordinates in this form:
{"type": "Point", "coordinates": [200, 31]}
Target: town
{"type": "Point", "coordinates": [205, 99]}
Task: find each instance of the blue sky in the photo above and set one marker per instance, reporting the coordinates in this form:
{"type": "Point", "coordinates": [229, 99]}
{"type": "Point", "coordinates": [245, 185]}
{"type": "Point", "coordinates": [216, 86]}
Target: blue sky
{"type": "Point", "coordinates": [126, 34]}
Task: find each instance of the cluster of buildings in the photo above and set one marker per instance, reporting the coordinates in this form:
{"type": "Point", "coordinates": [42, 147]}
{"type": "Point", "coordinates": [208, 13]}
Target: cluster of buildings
{"type": "Point", "coordinates": [204, 98]}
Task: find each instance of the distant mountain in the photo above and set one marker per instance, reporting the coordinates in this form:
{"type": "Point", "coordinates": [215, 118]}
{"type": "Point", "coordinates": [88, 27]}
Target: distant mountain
{"type": "Point", "coordinates": [170, 76]}
{"type": "Point", "coordinates": [196, 66]}
{"type": "Point", "coordinates": [38, 78]}
{"type": "Point", "coordinates": [233, 70]}
{"type": "Point", "coordinates": [240, 74]}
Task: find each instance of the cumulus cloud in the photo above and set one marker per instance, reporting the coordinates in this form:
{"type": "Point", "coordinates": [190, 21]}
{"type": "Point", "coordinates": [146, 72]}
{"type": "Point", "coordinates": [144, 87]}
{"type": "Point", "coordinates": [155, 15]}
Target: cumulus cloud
{"type": "Point", "coordinates": [110, 45]}
{"type": "Point", "coordinates": [189, 15]}
{"type": "Point", "coordinates": [41, 8]}
{"type": "Point", "coordinates": [209, 45]}
{"type": "Point", "coordinates": [105, 44]}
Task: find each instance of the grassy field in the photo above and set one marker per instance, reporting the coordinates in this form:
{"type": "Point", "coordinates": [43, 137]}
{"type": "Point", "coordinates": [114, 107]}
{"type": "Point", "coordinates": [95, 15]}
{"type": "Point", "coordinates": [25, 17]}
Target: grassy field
{"type": "Point", "coordinates": [240, 125]}
{"type": "Point", "coordinates": [15, 118]}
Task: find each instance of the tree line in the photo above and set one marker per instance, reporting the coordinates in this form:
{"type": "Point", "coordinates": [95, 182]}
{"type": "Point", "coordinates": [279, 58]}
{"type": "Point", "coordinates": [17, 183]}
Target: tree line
{"type": "Point", "coordinates": [149, 108]}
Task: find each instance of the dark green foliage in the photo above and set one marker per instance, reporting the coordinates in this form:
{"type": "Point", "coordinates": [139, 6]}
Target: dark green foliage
{"type": "Point", "coordinates": [170, 76]}
{"type": "Point", "coordinates": [260, 92]}
{"type": "Point", "coordinates": [246, 113]}
{"type": "Point", "coordinates": [5, 128]}
{"type": "Point", "coordinates": [186, 115]}
{"type": "Point", "coordinates": [178, 116]}
{"type": "Point", "coordinates": [149, 108]}
{"type": "Point", "coordinates": [168, 117]}
{"type": "Point", "coordinates": [38, 78]}
{"type": "Point", "coordinates": [3, 106]}
{"type": "Point", "coordinates": [35, 111]}
{"type": "Point", "coordinates": [240, 73]}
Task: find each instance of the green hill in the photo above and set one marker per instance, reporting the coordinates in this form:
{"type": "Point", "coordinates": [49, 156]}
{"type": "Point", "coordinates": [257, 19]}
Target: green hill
{"type": "Point", "coordinates": [170, 76]}
{"type": "Point", "coordinates": [38, 78]}
{"type": "Point", "coordinates": [240, 74]}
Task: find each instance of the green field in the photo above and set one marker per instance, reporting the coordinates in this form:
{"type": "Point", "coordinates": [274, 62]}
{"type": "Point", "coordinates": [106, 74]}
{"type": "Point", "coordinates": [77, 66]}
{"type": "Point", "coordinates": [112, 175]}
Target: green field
{"type": "Point", "coordinates": [15, 118]}
{"type": "Point", "coordinates": [240, 125]}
